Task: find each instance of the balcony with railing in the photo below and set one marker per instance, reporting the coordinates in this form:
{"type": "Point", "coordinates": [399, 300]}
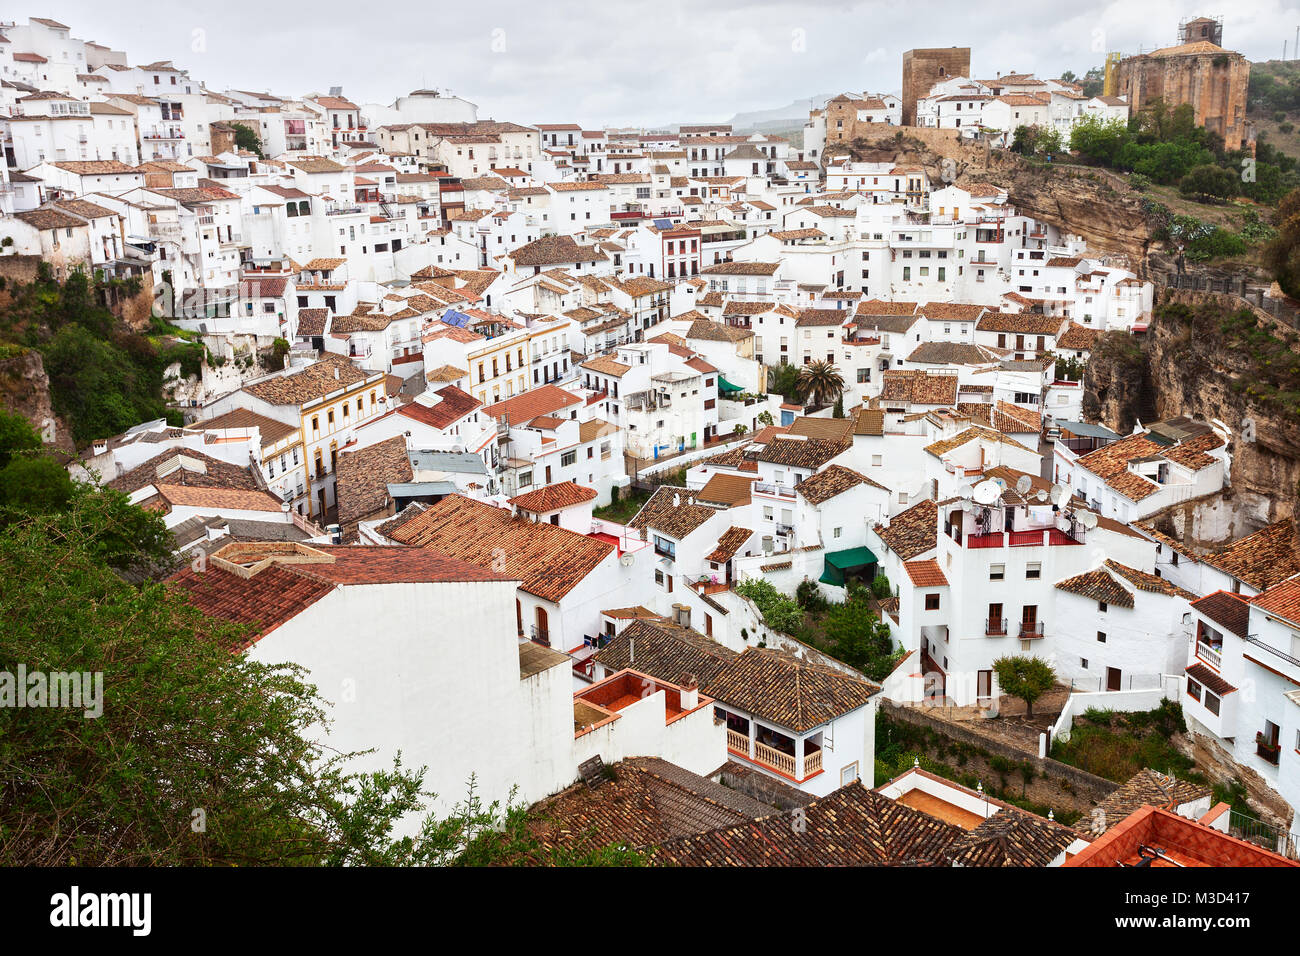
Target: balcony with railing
{"type": "Point", "coordinates": [995, 627]}
{"type": "Point", "coordinates": [767, 488]}
{"type": "Point", "coordinates": [783, 762]}
{"type": "Point", "coordinates": [1031, 630]}
{"type": "Point", "coordinates": [1210, 654]}
{"type": "Point", "coordinates": [1267, 750]}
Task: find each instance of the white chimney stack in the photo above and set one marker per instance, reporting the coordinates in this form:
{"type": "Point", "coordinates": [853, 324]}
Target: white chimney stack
{"type": "Point", "coordinates": [690, 697]}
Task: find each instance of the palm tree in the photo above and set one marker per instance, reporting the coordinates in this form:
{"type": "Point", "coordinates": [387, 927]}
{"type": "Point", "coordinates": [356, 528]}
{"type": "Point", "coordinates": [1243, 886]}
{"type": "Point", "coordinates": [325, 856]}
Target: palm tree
{"type": "Point", "coordinates": [820, 382]}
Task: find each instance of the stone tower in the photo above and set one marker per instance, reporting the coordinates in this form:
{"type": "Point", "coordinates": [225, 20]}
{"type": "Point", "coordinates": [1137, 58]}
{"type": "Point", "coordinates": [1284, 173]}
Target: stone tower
{"type": "Point", "coordinates": [924, 68]}
{"type": "Point", "coordinates": [1198, 71]}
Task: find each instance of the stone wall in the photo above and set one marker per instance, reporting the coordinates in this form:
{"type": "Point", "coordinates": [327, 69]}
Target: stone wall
{"type": "Point", "coordinates": [1214, 83]}
{"type": "Point", "coordinates": [1055, 784]}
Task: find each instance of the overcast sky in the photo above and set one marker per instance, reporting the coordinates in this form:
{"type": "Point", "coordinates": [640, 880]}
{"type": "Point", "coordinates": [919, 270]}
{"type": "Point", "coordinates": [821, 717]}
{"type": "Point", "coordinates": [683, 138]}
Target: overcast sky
{"type": "Point", "coordinates": [636, 62]}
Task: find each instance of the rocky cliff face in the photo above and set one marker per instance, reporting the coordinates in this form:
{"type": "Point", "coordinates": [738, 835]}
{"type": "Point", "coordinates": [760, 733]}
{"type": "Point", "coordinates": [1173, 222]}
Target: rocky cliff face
{"type": "Point", "coordinates": [1188, 367]}
{"type": "Point", "coordinates": [25, 388]}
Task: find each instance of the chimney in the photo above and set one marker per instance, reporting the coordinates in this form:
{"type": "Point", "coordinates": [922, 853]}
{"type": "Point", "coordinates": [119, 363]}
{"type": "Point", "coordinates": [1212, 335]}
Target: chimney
{"type": "Point", "coordinates": [690, 695]}
{"type": "Point", "coordinates": [682, 615]}
{"type": "Point", "coordinates": [336, 372]}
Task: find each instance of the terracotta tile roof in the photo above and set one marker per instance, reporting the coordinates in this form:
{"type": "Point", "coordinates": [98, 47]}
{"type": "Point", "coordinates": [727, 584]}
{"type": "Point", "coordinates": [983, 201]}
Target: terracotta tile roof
{"type": "Point", "coordinates": [918, 387]}
{"type": "Point", "coordinates": [317, 164]}
{"type": "Point", "coordinates": [879, 307]}
{"type": "Point", "coordinates": [829, 429]}
{"type": "Point", "coordinates": [727, 490]}
{"type": "Point", "coordinates": [185, 466]}
{"type": "Point", "coordinates": [869, 421]}
{"type": "Point", "coordinates": [663, 649]}
{"type": "Point", "coordinates": [952, 311]}
{"type": "Point", "coordinates": [96, 167]}
{"type": "Point", "coordinates": [565, 494]}
{"type": "Point", "coordinates": [271, 597]}
{"type": "Point", "coordinates": [272, 430]}
{"type": "Point", "coordinates": [802, 452]}
{"type": "Point", "coordinates": [1110, 464]}
{"type": "Point", "coordinates": [648, 801]}
{"type": "Point", "coordinates": [1013, 837]}
{"type": "Point", "coordinates": [950, 353]}
{"type": "Point", "coordinates": [912, 532]}
{"type": "Point", "coordinates": [49, 218]}
{"type": "Point", "coordinates": [606, 365]}
{"type": "Point", "coordinates": [1020, 323]}
{"type": "Point", "coordinates": [234, 499]}
{"type": "Point", "coordinates": [708, 330]}
{"type": "Point", "coordinates": [821, 317]}
{"type": "Point", "coordinates": [1145, 788]}
{"type": "Point", "coordinates": [531, 404]}
{"type": "Point", "coordinates": [555, 250]}
{"type": "Point", "coordinates": [1209, 679]}
{"type": "Point", "coordinates": [1281, 600]}
{"type": "Point", "coordinates": [795, 694]}
{"type": "Point", "coordinates": [741, 268]}
{"type": "Point", "coordinates": [1148, 582]}
{"type": "Point", "coordinates": [973, 433]}
{"type": "Point", "coordinates": [925, 574]}
{"type": "Point", "coordinates": [851, 827]}
{"type": "Point", "coordinates": [830, 483]}
{"type": "Point", "coordinates": [444, 373]}
{"type": "Point", "coordinates": [453, 404]}
{"type": "Point", "coordinates": [548, 560]}
{"type": "Point", "coordinates": [730, 541]}
{"type": "Point", "coordinates": [1077, 337]}
{"type": "Point", "coordinates": [313, 382]}
{"type": "Point", "coordinates": [1263, 558]}
{"type": "Point", "coordinates": [363, 476]}
{"type": "Point", "coordinates": [1097, 585]}
{"type": "Point", "coordinates": [676, 520]}
{"type": "Point", "coordinates": [312, 321]}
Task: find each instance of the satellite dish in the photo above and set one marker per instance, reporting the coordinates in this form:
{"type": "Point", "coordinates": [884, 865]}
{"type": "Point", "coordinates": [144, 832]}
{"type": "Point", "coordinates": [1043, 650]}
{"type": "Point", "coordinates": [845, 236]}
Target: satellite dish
{"type": "Point", "coordinates": [1060, 494]}
{"type": "Point", "coordinates": [1042, 494]}
{"type": "Point", "coordinates": [1023, 484]}
{"type": "Point", "coordinates": [627, 560]}
{"type": "Point", "coordinates": [1088, 519]}
{"type": "Point", "coordinates": [987, 493]}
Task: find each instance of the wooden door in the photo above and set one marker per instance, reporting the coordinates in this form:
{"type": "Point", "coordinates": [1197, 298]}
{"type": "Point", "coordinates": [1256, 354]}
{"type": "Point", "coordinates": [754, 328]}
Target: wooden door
{"type": "Point", "coordinates": [1114, 679]}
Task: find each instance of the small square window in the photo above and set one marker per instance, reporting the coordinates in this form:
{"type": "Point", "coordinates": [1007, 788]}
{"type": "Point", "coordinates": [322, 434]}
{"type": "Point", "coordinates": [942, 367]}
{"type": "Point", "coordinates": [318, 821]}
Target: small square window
{"type": "Point", "coordinates": [1083, 661]}
{"type": "Point", "coordinates": [1033, 571]}
{"type": "Point", "coordinates": [932, 602]}
{"type": "Point", "coordinates": [997, 572]}
{"type": "Point", "coordinates": [1102, 606]}
{"type": "Point", "coordinates": [1101, 637]}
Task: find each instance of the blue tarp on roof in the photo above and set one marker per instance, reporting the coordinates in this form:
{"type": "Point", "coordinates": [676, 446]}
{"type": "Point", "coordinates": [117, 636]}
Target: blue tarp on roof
{"type": "Point", "coordinates": [458, 319]}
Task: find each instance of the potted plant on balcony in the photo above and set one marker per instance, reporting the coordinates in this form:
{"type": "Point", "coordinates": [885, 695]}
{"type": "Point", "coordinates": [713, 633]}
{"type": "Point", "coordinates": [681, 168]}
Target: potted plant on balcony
{"type": "Point", "coordinates": [1266, 748]}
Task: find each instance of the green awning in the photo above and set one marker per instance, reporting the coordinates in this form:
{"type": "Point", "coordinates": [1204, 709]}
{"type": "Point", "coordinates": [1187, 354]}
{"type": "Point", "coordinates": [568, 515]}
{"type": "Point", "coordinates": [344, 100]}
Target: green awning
{"type": "Point", "coordinates": [726, 386]}
{"type": "Point", "coordinates": [850, 559]}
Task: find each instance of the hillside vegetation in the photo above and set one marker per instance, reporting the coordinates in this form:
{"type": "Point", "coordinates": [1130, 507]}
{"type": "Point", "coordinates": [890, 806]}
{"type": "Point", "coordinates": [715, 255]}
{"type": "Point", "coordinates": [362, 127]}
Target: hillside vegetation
{"type": "Point", "coordinates": [104, 376]}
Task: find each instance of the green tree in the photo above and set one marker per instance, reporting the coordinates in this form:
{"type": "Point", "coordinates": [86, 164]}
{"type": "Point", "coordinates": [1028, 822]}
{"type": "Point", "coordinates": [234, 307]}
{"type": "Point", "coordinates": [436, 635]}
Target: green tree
{"type": "Point", "coordinates": [246, 138]}
{"type": "Point", "coordinates": [1025, 140]}
{"type": "Point", "coordinates": [1282, 255]}
{"type": "Point", "coordinates": [1026, 678]}
{"type": "Point", "coordinates": [780, 613]}
{"type": "Point", "coordinates": [17, 436]}
{"type": "Point", "coordinates": [37, 484]}
{"type": "Point", "coordinates": [783, 380]}
{"type": "Point", "coordinates": [860, 639]}
{"type": "Point", "coordinates": [1098, 141]}
{"type": "Point", "coordinates": [820, 382]}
